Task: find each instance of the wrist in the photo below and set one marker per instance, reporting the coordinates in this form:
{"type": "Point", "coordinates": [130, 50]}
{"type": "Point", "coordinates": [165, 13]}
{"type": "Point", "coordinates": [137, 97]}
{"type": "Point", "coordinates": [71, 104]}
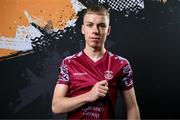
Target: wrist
{"type": "Point", "coordinates": [86, 97]}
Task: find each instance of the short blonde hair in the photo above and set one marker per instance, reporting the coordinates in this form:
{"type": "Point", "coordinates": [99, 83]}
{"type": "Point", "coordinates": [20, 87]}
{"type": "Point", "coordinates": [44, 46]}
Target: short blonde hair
{"type": "Point", "coordinates": [97, 9]}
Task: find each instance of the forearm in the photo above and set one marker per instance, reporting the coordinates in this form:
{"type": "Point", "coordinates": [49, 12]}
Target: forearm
{"type": "Point", "coordinates": [67, 104]}
{"type": "Point", "coordinates": [63, 104]}
{"type": "Point", "coordinates": [133, 113]}
{"type": "Point", "coordinates": [131, 105]}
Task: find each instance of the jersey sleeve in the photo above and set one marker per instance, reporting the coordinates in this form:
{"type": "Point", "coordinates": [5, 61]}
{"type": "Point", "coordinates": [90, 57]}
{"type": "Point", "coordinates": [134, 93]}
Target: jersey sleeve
{"type": "Point", "coordinates": [63, 75]}
{"type": "Point", "coordinates": [126, 81]}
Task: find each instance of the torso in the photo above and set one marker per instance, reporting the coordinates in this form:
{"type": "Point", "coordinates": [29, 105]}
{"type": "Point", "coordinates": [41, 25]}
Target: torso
{"type": "Point", "coordinates": [84, 73]}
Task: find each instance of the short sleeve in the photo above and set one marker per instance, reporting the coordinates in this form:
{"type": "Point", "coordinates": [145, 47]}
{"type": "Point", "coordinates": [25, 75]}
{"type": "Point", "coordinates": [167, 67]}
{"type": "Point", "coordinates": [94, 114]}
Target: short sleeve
{"type": "Point", "coordinates": [63, 76]}
{"type": "Point", "coordinates": [126, 80]}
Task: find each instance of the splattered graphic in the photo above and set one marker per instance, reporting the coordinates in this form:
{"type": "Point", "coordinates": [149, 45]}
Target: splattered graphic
{"type": "Point", "coordinates": [26, 21]}
{"type": "Point", "coordinates": [17, 32]}
{"type": "Point", "coordinates": [126, 6]}
{"type": "Point", "coordinates": [42, 27]}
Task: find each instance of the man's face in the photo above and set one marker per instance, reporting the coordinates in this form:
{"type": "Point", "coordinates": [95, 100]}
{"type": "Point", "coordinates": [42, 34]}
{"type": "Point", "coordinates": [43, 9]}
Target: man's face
{"type": "Point", "coordinates": [95, 29]}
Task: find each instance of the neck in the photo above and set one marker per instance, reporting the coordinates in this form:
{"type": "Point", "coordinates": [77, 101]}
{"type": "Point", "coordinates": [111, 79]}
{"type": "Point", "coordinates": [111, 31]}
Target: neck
{"type": "Point", "coordinates": [95, 54]}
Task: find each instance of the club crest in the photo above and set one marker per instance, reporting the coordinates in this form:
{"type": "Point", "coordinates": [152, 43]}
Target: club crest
{"type": "Point", "coordinates": [108, 75]}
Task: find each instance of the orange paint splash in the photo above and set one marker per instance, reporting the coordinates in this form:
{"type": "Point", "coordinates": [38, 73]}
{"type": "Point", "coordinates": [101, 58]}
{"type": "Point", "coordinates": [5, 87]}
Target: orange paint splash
{"type": "Point", "coordinates": [6, 52]}
{"type": "Point", "coordinates": [12, 14]}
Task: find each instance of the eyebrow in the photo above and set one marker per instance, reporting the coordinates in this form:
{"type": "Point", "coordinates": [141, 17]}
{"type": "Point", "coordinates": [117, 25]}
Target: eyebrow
{"type": "Point", "coordinates": [88, 22]}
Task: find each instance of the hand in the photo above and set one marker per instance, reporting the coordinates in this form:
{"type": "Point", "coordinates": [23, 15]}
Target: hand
{"type": "Point", "coordinates": [99, 90]}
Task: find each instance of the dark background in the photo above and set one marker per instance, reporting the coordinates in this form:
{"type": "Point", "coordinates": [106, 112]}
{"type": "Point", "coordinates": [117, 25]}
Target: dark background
{"type": "Point", "coordinates": [150, 41]}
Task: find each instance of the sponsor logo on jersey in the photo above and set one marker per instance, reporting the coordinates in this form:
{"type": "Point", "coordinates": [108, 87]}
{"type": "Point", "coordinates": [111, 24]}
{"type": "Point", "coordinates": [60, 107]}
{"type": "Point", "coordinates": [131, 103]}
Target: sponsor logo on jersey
{"type": "Point", "coordinates": [80, 74]}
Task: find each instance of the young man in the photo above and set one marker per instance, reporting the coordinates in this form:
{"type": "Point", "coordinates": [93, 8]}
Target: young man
{"type": "Point", "coordinates": [89, 80]}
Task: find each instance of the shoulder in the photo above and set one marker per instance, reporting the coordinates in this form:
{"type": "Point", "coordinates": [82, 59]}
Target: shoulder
{"type": "Point", "coordinates": [73, 57]}
{"type": "Point", "coordinates": [118, 58]}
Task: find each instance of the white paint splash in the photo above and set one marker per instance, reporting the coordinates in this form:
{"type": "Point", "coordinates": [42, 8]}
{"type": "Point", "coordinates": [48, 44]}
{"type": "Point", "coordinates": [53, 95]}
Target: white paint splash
{"type": "Point", "coordinates": [30, 20]}
{"type": "Point", "coordinates": [77, 6]}
{"type": "Point", "coordinates": [24, 35]}
{"type": "Point", "coordinates": [71, 23]}
{"type": "Point", "coordinates": [22, 40]}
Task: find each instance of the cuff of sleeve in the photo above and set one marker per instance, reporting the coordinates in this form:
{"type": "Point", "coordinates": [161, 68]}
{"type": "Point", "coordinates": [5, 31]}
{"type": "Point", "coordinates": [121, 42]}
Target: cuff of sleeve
{"type": "Point", "coordinates": [128, 87]}
{"type": "Point", "coordinates": [62, 82]}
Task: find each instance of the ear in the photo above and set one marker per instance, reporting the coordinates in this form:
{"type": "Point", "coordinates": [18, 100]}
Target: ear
{"type": "Point", "coordinates": [82, 29]}
{"type": "Point", "coordinates": [109, 30]}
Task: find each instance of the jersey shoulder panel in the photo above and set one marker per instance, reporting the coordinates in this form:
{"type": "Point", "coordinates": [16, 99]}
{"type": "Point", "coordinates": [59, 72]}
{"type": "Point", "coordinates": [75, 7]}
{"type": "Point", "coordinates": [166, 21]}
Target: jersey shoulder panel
{"type": "Point", "coordinates": [118, 58]}
{"type": "Point", "coordinates": [73, 57]}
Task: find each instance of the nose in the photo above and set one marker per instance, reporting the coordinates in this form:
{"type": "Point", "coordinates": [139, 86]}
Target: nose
{"type": "Point", "coordinates": [95, 30]}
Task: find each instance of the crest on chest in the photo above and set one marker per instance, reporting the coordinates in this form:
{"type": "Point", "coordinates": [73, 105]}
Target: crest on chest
{"type": "Point", "coordinates": [108, 75]}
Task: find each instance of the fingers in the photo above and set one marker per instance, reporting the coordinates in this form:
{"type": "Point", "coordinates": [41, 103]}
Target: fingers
{"type": "Point", "coordinates": [99, 90]}
{"type": "Point", "coordinates": [103, 82]}
{"type": "Point", "coordinates": [102, 87]}
{"type": "Point", "coordinates": [101, 95]}
{"type": "Point", "coordinates": [102, 92]}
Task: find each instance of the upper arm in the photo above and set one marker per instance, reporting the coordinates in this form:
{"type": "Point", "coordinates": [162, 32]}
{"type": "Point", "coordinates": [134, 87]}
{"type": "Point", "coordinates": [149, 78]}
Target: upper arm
{"type": "Point", "coordinates": [61, 87]}
{"type": "Point", "coordinates": [60, 90]}
{"type": "Point", "coordinates": [129, 97]}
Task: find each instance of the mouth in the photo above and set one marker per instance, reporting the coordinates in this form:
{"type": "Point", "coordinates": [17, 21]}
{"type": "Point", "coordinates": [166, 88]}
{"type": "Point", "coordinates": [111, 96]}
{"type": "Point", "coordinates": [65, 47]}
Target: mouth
{"type": "Point", "coordinates": [95, 38]}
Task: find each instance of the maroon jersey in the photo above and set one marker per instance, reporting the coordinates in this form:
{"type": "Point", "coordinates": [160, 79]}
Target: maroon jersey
{"type": "Point", "coordinates": [80, 73]}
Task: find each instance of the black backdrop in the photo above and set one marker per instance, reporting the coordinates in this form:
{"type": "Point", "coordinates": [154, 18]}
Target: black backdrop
{"type": "Point", "coordinates": [150, 41]}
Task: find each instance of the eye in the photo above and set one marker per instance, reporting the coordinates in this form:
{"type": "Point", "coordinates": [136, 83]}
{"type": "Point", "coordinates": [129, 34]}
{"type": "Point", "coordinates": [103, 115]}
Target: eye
{"type": "Point", "coordinates": [89, 24]}
{"type": "Point", "coordinates": [102, 25]}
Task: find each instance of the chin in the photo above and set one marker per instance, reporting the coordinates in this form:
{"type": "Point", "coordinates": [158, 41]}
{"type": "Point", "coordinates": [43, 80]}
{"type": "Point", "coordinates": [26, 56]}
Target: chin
{"type": "Point", "coordinates": [95, 46]}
